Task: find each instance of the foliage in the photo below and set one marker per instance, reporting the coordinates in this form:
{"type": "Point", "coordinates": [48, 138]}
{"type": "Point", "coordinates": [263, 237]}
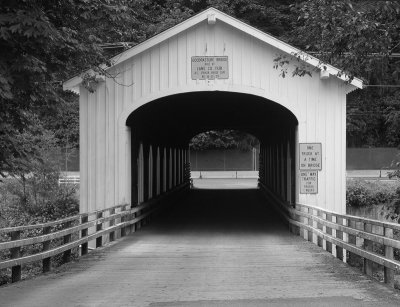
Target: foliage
{"type": "Point", "coordinates": [346, 33]}
{"type": "Point", "coordinates": [44, 42]}
{"type": "Point", "coordinates": [223, 139]}
{"type": "Point", "coordinates": [373, 118]}
{"type": "Point", "coordinates": [394, 207]}
{"type": "Point", "coordinates": [363, 194]}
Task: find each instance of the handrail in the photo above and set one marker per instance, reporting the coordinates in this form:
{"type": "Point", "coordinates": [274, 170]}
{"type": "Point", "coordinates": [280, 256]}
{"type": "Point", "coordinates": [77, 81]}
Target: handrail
{"type": "Point", "coordinates": [320, 226]}
{"type": "Point", "coordinates": [78, 225]}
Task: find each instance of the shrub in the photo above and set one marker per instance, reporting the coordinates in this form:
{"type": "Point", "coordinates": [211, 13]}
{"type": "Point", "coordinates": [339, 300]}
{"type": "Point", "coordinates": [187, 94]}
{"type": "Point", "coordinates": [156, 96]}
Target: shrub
{"type": "Point", "coordinates": [362, 193]}
{"type": "Point", "coordinates": [33, 199]}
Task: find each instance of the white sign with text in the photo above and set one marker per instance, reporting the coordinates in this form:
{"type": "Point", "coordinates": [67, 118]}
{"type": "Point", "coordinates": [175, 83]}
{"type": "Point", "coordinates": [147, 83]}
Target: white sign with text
{"type": "Point", "coordinates": [209, 67]}
{"type": "Point", "coordinates": [310, 156]}
{"type": "Point", "coordinates": [309, 182]}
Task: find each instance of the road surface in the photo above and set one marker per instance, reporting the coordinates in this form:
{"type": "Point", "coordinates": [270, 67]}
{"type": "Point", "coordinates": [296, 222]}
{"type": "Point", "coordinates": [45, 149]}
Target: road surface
{"type": "Point", "coordinates": [215, 248]}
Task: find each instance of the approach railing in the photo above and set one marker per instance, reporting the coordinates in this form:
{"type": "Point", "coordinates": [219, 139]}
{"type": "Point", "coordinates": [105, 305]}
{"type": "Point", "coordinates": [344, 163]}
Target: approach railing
{"type": "Point", "coordinates": [75, 232]}
{"type": "Point", "coordinates": [376, 242]}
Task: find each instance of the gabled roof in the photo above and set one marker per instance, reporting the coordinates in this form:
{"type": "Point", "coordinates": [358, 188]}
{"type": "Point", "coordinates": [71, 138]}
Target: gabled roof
{"type": "Point", "coordinates": [218, 15]}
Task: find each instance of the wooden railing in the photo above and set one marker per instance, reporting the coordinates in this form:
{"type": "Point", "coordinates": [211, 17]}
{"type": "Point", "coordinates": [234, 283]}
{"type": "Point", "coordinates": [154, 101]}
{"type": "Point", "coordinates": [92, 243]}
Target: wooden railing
{"type": "Point", "coordinates": [75, 233]}
{"type": "Point", "coordinates": [371, 240]}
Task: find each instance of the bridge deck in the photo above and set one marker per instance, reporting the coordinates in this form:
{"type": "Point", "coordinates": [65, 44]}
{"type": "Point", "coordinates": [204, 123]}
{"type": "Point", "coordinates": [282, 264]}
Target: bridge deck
{"type": "Point", "coordinates": [215, 248]}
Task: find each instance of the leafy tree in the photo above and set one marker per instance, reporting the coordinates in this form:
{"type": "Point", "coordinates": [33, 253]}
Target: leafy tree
{"type": "Point", "coordinates": [358, 37]}
{"type": "Point", "coordinates": [44, 42]}
{"type": "Point", "coordinates": [223, 139]}
{"type": "Point", "coordinates": [346, 33]}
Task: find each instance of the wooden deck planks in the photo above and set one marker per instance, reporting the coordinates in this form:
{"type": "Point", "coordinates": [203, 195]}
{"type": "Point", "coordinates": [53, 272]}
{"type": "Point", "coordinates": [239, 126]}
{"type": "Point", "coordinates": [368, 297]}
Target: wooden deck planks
{"type": "Point", "coordinates": [215, 248]}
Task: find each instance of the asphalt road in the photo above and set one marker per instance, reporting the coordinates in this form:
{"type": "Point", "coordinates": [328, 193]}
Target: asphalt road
{"type": "Point", "coordinates": [214, 248]}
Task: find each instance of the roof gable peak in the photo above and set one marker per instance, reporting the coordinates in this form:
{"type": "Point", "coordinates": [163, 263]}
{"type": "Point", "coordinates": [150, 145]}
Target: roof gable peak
{"type": "Point", "coordinates": [213, 15]}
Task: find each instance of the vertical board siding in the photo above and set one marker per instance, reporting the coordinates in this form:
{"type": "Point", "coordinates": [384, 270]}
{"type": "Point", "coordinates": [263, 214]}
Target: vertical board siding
{"type": "Point", "coordinates": [92, 156]}
{"type": "Point", "coordinates": [83, 145]}
{"type": "Point", "coordinates": [319, 106]}
{"type": "Point", "coordinates": [181, 56]}
{"type": "Point", "coordinates": [100, 116]}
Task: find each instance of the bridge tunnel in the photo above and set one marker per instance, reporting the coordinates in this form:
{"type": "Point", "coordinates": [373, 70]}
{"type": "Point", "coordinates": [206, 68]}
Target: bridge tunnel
{"type": "Point", "coordinates": [162, 129]}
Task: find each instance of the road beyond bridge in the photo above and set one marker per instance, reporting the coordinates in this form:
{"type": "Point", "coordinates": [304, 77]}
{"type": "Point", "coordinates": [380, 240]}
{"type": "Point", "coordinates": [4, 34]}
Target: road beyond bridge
{"type": "Point", "coordinates": [213, 248]}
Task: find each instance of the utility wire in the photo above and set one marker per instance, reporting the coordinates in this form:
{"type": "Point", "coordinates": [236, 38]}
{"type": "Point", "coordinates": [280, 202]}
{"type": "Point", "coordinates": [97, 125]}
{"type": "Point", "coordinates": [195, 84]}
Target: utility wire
{"type": "Point", "coordinates": [382, 85]}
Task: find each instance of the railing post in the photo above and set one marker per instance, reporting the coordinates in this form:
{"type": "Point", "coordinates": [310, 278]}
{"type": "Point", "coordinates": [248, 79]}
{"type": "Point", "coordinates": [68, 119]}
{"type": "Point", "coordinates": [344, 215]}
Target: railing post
{"type": "Point", "coordinates": [133, 216]}
{"type": "Point", "coordinates": [46, 262]}
{"type": "Point", "coordinates": [368, 264]}
{"type": "Point", "coordinates": [315, 226]}
{"type": "Point", "coordinates": [334, 220]}
{"type": "Point", "coordinates": [15, 253]}
{"type": "Point", "coordinates": [345, 239]}
{"type": "Point", "coordinates": [67, 239]}
{"type": "Point", "coordinates": [84, 233]}
{"type": "Point", "coordinates": [324, 231]}
{"type": "Point", "coordinates": [388, 273]}
{"type": "Point", "coordinates": [112, 223]}
{"type": "Point", "coordinates": [99, 226]}
{"type": "Point", "coordinates": [305, 222]}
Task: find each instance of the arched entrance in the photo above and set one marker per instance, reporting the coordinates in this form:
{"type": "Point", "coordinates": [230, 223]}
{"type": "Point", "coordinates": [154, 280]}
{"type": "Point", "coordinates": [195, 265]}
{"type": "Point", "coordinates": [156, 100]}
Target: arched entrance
{"type": "Point", "coordinates": [161, 131]}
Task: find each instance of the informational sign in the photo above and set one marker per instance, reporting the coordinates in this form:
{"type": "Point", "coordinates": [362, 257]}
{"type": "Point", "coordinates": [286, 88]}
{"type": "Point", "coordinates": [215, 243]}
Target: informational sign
{"type": "Point", "coordinates": [209, 67]}
{"type": "Point", "coordinates": [308, 182]}
{"type": "Point", "coordinates": [310, 155]}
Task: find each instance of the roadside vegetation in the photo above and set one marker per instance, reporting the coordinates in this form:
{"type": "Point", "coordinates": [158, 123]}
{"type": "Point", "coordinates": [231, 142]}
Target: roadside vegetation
{"type": "Point", "coordinates": [383, 193]}
{"type": "Point", "coordinates": [34, 198]}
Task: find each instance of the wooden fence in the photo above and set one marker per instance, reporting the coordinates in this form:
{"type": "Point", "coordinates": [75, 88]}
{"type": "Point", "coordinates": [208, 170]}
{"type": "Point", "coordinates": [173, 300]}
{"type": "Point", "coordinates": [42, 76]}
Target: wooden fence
{"type": "Point", "coordinates": [75, 233]}
{"type": "Point", "coordinates": [342, 235]}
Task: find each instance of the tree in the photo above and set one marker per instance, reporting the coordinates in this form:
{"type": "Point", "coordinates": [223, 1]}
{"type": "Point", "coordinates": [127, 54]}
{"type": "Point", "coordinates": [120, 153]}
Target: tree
{"type": "Point", "coordinates": [356, 36]}
{"type": "Point", "coordinates": [223, 139]}
{"type": "Point", "coordinates": [43, 43]}
{"type": "Point", "coordinates": [359, 38]}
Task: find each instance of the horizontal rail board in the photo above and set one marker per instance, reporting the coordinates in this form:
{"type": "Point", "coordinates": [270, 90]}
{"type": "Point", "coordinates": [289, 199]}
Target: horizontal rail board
{"type": "Point", "coordinates": [358, 219]}
{"type": "Point", "coordinates": [68, 246]}
{"type": "Point", "coordinates": [307, 218]}
{"type": "Point", "coordinates": [144, 209]}
{"type": "Point", "coordinates": [392, 264]}
{"type": "Point", "coordinates": [351, 231]}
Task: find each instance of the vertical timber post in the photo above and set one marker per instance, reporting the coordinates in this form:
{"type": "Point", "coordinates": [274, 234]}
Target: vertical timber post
{"type": "Point", "coordinates": [67, 239]}
{"type": "Point", "coordinates": [84, 233]}
{"type": "Point", "coordinates": [99, 226]}
{"type": "Point", "coordinates": [345, 239]}
{"type": "Point", "coordinates": [334, 220]}
{"type": "Point", "coordinates": [46, 262]}
{"type": "Point", "coordinates": [15, 253]}
{"type": "Point", "coordinates": [368, 264]}
{"type": "Point", "coordinates": [388, 273]}
{"type": "Point", "coordinates": [112, 223]}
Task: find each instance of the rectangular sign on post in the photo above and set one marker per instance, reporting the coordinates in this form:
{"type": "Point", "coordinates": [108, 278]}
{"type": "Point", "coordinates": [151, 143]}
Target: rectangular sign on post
{"type": "Point", "coordinates": [310, 156]}
{"type": "Point", "coordinates": [209, 67]}
{"type": "Point", "coordinates": [309, 182]}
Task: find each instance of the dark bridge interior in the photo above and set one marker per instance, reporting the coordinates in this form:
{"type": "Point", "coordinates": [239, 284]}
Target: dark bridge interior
{"type": "Point", "coordinates": [162, 129]}
{"type": "Point", "coordinates": [177, 118]}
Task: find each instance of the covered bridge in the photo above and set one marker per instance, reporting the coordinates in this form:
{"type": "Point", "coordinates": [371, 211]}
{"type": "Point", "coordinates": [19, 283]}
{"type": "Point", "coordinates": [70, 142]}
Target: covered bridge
{"type": "Point", "coordinates": [211, 71]}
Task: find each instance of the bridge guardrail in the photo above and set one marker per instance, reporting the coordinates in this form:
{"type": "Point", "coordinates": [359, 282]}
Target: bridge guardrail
{"type": "Point", "coordinates": [338, 233]}
{"type": "Point", "coordinates": [74, 233]}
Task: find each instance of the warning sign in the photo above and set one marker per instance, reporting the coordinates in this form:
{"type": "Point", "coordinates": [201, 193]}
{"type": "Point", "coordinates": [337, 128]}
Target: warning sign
{"type": "Point", "coordinates": [310, 155]}
{"type": "Point", "coordinates": [309, 182]}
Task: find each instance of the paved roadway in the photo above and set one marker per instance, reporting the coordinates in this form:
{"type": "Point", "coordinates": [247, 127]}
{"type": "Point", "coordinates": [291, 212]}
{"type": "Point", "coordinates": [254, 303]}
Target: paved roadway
{"type": "Point", "coordinates": [215, 248]}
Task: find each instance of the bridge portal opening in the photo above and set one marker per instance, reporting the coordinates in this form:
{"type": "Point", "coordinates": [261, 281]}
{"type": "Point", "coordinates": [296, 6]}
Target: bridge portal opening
{"type": "Point", "coordinates": [162, 129]}
{"type": "Point", "coordinates": [224, 159]}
